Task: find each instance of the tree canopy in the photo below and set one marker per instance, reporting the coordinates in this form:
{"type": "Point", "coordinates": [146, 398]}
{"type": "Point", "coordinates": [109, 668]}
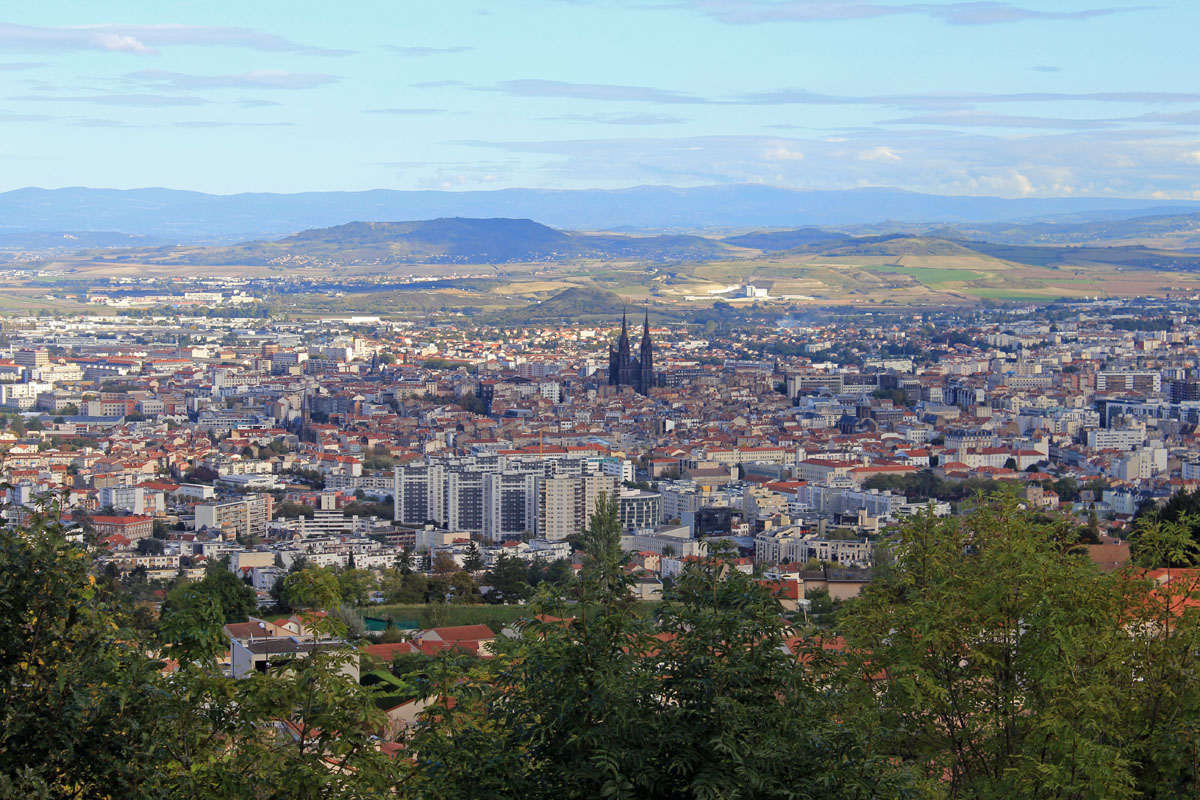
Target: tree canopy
{"type": "Point", "coordinates": [990, 658]}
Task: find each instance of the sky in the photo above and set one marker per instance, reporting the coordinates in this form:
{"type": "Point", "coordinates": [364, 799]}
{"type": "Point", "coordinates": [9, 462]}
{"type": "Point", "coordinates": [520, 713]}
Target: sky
{"type": "Point", "coordinates": [1026, 98]}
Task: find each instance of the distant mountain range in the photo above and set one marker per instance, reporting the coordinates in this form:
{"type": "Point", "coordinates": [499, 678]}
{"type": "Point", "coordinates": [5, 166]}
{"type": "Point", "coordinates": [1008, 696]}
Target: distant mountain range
{"type": "Point", "coordinates": [459, 240]}
{"type": "Point", "coordinates": [197, 218]}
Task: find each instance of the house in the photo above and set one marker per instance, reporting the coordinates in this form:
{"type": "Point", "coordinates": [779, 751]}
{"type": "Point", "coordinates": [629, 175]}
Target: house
{"type": "Point", "coordinates": [254, 628]}
{"type": "Point", "coordinates": [465, 636]}
{"type": "Point", "coordinates": [257, 655]}
{"type": "Point", "coordinates": [131, 527]}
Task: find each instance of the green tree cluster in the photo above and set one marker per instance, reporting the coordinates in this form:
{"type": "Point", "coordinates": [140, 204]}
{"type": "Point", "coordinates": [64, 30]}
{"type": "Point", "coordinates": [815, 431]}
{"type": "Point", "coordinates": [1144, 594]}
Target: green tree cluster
{"type": "Point", "coordinates": [990, 659]}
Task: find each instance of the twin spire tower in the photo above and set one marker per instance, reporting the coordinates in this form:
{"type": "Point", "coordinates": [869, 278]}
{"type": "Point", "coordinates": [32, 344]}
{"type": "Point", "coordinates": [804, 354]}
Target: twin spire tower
{"type": "Point", "coordinates": [624, 369]}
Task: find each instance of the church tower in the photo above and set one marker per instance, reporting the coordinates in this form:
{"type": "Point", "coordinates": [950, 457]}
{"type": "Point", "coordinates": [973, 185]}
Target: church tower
{"type": "Point", "coordinates": [646, 359]}
{"type": "Point", "coordinates": [626, 367]}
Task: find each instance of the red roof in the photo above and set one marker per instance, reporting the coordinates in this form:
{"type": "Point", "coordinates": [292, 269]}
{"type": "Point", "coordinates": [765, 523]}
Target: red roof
{"type": "Point", "coordinates": [465, 633]}
{"type": "Point", "coordinates": [389, 651]}
{"type": "Point", "coordinates": [784, 590]}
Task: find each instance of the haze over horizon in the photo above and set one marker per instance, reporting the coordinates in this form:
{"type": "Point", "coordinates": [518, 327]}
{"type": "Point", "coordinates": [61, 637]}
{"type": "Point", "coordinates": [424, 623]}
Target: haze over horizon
{"type": "Point", "coordinates": [1008, 99]}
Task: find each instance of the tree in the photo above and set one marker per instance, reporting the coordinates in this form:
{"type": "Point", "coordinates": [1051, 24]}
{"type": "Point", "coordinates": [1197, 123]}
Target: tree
{"type": "Point", "coordinates": [404, 588]}
{"type": "Point", "coordinates": [354, 586]}
{"type": "Point", "coordinates": [556, 573]}
{"type": "Point", "coordinates": [507, 579]}
{"type": "Point", "coordinates": [1002, 663]}
{"type": "Point", "coordinates": [463, 589]}
{"type": "Point", "coordinates": [821, 610]}
{"type": "Point", "coordinates": [473, 559]}
{"type": "Point", "coordinates": [1183, 505]}
{"type": "Point", "coordinates": [291, 510]}
{"type": "Point", "coordinates": [590, 702]}
{"type": "Point", "coordinates": [469, 402]}
{"type": "Point", "coordinates": [201, 474]}
{"type": "Point", "coordinates": [149, 546]}
{"type": "Point", "coordinates": [73, 676]}
{"type": "Point", "coordinates": [312, 587]}
{"type": "Point", "coordinates": [443, 563]}
{"type": "Point", "coordinates": [236, 600]}
{"type": "Point", "coordinates": [86, 713]}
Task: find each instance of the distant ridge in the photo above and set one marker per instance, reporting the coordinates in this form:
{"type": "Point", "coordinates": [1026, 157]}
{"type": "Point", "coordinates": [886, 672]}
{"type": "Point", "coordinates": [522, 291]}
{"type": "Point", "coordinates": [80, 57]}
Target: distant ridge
{"type": "Point", "coordinates": [453, 240]}
{"type": "Point", "coordinates": [195, 217]}
{"type": "Point", "coordinates": [462, 240]}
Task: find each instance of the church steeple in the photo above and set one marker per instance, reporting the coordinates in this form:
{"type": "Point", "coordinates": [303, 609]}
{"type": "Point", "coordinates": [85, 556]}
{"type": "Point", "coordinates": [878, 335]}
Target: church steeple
{"type": "Point", "coordinates": [625, 369]}
{"type": "Point", "coordinates": [646, 358]}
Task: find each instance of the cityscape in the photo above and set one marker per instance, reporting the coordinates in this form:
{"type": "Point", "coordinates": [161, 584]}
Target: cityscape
{"type": "Point", "coordinates": [853, 456]}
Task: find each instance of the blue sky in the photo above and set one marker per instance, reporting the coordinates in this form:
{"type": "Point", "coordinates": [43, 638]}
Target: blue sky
{"type": "Point", "coordinates": [1022, 98]}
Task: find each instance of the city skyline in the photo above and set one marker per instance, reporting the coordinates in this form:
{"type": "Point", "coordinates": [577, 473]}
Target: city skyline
{"type": "Point", "coordinates": [987, 98]}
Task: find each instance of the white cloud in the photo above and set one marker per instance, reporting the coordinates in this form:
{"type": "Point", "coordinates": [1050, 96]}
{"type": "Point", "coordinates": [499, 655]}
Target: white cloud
{"type": "Point", "coordinates": [784, 154]}
{"type": "Point", "coordinates": [1009, 183]}
{"type": "Point", "coordinates": [881, 153]}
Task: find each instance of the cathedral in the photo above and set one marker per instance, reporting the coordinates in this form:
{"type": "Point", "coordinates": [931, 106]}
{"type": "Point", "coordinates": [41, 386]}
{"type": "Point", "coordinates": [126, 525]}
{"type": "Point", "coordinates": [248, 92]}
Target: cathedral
{"type": "Point", "coordinates": [624, 369]}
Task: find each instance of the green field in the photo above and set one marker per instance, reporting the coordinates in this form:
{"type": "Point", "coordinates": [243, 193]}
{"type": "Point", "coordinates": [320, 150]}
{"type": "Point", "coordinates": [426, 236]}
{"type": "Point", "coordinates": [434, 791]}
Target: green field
{"type": "Point", "coordinates": [930, 276]}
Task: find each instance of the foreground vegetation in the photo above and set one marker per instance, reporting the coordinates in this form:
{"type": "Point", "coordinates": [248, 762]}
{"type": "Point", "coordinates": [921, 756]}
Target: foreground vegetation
{"type": "Point", "coordinates": [990, 659]}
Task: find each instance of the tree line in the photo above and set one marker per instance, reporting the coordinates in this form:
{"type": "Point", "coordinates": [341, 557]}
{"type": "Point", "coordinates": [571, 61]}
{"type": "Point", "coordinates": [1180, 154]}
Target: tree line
{"type": "Point", "coordinates": [990, 658]}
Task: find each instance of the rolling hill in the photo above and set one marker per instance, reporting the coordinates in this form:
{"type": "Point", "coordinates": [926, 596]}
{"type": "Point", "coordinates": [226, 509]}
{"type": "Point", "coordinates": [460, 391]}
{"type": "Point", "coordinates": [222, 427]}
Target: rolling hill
{"type": "Point", "coordinates": [784, 240]}
{"type": "Point", "coordinates": [950, 242]}
{"type": "Point", "coordinates": [440, 241]}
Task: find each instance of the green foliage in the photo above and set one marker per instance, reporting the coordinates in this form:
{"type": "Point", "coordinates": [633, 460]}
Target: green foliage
{"type": "Point", "coordinates": [592, 701]}
{"type": "Point", "coordinates": [236, 600]}
{"type": "Point", "coordinates": [926, 485]}
{"type": "Point", "coordinates": [822, 611]}
{"type": "Point", "coordinates": [507, 579]}
{"type": "Point", "coordinates": [897, 396]}
{"type": "Point", "coordinates": [290, 510]}
{"type": "Point", "coordinates": [150, 546]}
{"type": "Point", "coordinates": [557, 573]}
{"type": "Point", "coordinates": [1181, 506]}
{"type": "Point", "coordinates": [355, 585]}
{"type": "Point", "coordinates": [75, 720]}
{"type": "Point", "coordinates": [473, 560]}
{"type": "Point", "coordinates": [362, 508]}
{"type": "Point", "coordinates": [398, 587]}
{"type": "Point", "coordinates": [990, 659]}
{"type": "Point", "coordinates": [191, 627]}
{"type": "Point", "coordinates": [1003, 663]}
{"type": "Point", "coordinates": [469, 402]}
{"type": "Point", "coordinates": [312, 587]}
